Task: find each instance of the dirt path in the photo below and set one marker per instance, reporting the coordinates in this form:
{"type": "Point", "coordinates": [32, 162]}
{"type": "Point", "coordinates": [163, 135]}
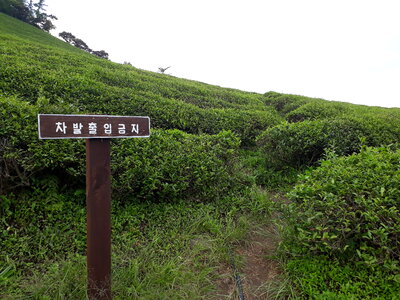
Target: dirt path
{"type": "Point", "coordinates": [259, 272]}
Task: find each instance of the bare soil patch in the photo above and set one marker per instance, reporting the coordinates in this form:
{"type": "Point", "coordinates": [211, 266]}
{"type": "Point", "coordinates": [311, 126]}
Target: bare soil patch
{"type": "Point", "coordinates": [259, 271]}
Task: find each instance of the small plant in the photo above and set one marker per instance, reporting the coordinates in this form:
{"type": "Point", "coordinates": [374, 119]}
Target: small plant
{"type": "Point", "coordinates": [162, 70]}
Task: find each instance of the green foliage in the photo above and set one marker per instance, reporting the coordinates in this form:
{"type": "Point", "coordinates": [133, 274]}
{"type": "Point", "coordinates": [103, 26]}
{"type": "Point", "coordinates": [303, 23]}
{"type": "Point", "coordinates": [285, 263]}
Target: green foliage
{"type": "Point", "coordinates": [174, 165]}
{"type": "Point", "coordinates": [37, 65]}
{"type": "Point", "coordinates": [285, 103]}
{"type": "Point", "coordinates": [320, 277]}
{"type": "Point", "coordinates": [295, 144]}
{"type": "Point", "coordinates": [295, 108]}
{"type": "Point", "coordinates": [320, 110]}
{"type": "Point", "coordinates": [257, 166]}
{"type": "Point", "coordinates": [304, 143]}
{"type": "Point", "coordinates": [169, 165]}
{"type": "Point", "coordinates": [321, 125]}
{"type": "Point", "coordinates": [38, 222]}
{"type": "Point", "coordinates": [23, 157]}
{"type": "Point", "coordinates": [74, 41]}
{"type": "Point", "coordinates": [160, 250]}
{"type": "Point", "coordinates": [169, 233]}
{"type": "Point", "coordinates": [349, 208]}
{"type": "Point", "coordinates": [31, 13]}
{"type": "Point", "coordinates": [15, 8]}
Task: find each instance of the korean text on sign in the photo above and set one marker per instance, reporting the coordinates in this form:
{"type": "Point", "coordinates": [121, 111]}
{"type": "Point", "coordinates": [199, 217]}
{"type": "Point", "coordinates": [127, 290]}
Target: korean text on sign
{"type": "Point", "coordinates": [92, 126]}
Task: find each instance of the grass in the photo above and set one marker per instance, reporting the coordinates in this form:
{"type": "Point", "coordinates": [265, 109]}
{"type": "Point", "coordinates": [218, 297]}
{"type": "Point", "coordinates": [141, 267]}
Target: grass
{"type": "Point", "coordinates": [160, 251]}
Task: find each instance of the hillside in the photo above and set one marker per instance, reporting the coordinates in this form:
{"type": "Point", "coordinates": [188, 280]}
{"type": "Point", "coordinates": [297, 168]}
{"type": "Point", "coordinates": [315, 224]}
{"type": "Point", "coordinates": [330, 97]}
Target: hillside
{"type": "Point", "coordinates": [39, 65]}
{"type": "Point", "coordinates": [216, 169]}
{"type": "Point", "coordinates": [36, 65]}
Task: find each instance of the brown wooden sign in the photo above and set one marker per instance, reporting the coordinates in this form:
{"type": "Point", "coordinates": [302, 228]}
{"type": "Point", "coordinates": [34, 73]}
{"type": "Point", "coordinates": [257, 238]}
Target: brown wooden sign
{"type": "Point", "coordinates": [97, 130]}
{"type": "Point", "coordinates": [53, 126]}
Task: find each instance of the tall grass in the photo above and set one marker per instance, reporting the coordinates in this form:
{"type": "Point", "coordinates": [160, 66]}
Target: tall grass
{"type": "Point", "coordinates": [160, 251]}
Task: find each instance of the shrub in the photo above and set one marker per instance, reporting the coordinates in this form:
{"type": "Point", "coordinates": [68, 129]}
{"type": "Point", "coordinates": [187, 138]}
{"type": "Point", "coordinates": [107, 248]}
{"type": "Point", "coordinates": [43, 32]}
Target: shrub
{"type": "Point", "coordinates": [321, 277]}
{"type": "Point", "coordinates": [174, 165]}
{"type": "Point", "coordinates": [285, 103]}
{"type": "Point", "coordinates": [304, 143]}
{"type": "Point", "coordinates": [349, 208]}
{"type": "Point", "coordinates": [292, 144]}
{"type": "Point", "coordinates": [23, 157]}
{"type": "Point", "coordinates": [319, 110]}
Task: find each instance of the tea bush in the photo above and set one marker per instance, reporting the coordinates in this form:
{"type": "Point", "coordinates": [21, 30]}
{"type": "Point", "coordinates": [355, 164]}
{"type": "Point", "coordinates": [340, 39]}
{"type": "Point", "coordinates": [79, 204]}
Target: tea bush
{"type": "Point", "coordinates": [285, 103]}
{"type": "Point", "coordinates": [304, 143]}
{"type": "Point", "coordinates": [319, 110]}
{"type": "Point", "coordinates": [42, 196]}
{"type": "Point", "coordinates": [23, 157]}
{"type": "Point", "coordinates": [349, 208]}
{"type": "Point", "coordinates": [292, 144]}
{"type": "Point", "coordinates": [86, 88]}
{"type": "Point", "coordinates": [321, 277]}
{"type": "Point", "coordinates": [173, 165]}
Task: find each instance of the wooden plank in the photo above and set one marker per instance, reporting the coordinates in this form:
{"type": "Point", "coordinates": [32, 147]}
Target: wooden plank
{"type": "Point", "coordinates": [53, 126]}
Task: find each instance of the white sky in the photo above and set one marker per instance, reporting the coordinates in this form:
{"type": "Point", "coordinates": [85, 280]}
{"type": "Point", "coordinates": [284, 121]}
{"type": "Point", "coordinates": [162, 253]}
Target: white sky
{"type": "Point", "coordinates": [344, 50]}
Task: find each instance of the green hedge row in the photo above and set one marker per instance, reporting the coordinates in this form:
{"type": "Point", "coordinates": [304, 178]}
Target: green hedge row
{"type": "Point", "coordinates": [174, 165]}
{"type": "Point", "coordinates": [23, 157]}
{"type": "Point", "coordinates": [349, 208]}
{"type": "Point", "coordinates": [321, 110]}
{"type": "Point", "coordinates": [285, 103]}
{"type": "Point", "coordinates": [304, 143]}
{"type": "Point", "coordinates": [169, 165]}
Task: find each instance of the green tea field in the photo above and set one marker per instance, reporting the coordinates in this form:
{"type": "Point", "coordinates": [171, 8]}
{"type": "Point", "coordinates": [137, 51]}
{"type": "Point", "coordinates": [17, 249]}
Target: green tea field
{"type": "Point", "coordinates": [298, 197]}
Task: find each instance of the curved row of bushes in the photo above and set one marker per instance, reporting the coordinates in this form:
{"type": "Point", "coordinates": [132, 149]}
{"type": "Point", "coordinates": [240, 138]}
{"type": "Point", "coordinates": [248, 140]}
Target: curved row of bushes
{"type": "Point", "coordinates": [169, 165]}
{"type": "Point", "coordinates": [285, 103]}
{"type": "Point", "coordinates": [304, 143]}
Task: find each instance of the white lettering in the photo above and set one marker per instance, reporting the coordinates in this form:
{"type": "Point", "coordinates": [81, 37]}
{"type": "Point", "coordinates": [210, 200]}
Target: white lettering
{"type": "Point", "coordinates": [135, 128]}
{"type": "Point", "coordinates": [77, 128]}
{"type": "Point", "coordinates": [92, 128]}
{"type": "Point", "coordinates": [121, 129]}
{"type": "Point", "coordinates": [61, 127]}
{"type": "Point", "coordinates": [107, 129]}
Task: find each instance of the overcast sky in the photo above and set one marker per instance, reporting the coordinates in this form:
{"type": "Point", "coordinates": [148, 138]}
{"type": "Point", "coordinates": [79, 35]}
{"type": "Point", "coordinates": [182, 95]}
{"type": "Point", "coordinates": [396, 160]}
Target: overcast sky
{"type": "Point", "coordinates": [344, 50]}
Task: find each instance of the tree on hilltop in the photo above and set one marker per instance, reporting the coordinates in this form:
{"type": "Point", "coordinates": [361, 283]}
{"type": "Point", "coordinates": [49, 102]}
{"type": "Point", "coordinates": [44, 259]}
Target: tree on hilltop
{"type": "Point", "coordinates": [74, 41]}
{"type": "Point", "coordinates": [101, 54]}
{"type": "Point", "coordinates": [15, 8]}
{"type": "Point", "coordinates": [30, 12]}
{"type": "Point", "coordinates": [78, 43]}
{"type": "Point", "coordinates": [67, 36]}
{"type": "Point", "coordinates": [40, 18]}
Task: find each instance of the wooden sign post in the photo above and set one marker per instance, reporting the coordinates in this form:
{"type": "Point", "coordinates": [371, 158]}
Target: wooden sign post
{"type": "Point", "coordinates": [97, 130]}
